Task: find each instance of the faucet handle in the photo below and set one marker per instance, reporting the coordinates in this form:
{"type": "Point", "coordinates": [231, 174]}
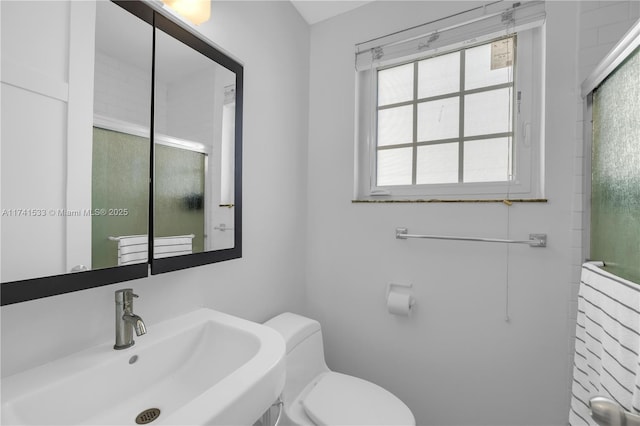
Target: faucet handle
{"type": "Point", "coordinates": [125, 295]}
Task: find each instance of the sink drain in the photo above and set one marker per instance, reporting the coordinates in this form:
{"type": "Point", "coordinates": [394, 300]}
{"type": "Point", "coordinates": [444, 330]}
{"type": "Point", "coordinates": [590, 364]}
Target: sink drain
{"type": "Point", "coordinates": [147, 416]}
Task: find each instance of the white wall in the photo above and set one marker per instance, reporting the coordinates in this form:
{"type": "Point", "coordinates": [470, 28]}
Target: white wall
{"type": "Point", "coordinates": [455, 361]}
{"type": "Point", "coordinates": [35, 84]}
{"type": "Point", "coordinates": [271, 39]}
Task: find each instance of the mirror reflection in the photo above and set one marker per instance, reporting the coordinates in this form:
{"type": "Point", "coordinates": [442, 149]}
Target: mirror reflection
{"type": "Point", "coordinates": [121, 135]}
{"type": "Point", "coordinates": [77, 119]}
{"type": "Point", "coordinates": [194, 151]}
{"type": "Point", "coordinates": [69, 170]}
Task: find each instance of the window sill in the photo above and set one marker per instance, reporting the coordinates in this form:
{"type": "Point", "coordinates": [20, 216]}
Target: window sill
{"type": "Point", "coordinates": [433, 200]}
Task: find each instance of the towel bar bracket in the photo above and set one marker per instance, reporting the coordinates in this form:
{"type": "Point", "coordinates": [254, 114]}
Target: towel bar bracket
{"type": "Point", "coordinates": [535, 240]}
{"type": "Point", "coordinates": [538, 240]}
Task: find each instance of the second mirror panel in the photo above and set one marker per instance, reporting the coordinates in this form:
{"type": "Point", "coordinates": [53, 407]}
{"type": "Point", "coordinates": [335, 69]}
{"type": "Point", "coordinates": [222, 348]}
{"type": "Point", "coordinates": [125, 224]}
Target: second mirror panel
{"type": "Point", "coordinates": [194, 132]}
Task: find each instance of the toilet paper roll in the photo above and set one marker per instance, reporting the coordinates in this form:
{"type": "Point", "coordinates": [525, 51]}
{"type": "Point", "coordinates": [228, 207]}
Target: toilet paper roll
{"type": "Point", "coordinates": [400, 303]}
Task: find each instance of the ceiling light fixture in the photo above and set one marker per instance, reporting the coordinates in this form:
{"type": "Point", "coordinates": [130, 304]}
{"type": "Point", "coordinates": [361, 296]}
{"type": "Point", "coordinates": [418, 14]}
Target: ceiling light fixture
{"type": "Point", "coordinates": [196, 11]}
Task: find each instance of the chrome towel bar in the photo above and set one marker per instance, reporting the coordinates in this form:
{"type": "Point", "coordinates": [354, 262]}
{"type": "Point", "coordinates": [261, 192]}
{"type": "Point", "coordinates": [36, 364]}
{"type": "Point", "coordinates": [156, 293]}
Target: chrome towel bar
{"type": "Point", "coordinates": [535, 240]}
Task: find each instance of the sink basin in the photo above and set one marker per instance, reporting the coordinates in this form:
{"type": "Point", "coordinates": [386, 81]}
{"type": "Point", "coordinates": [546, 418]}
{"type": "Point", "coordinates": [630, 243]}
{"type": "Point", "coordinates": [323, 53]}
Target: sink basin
{"type": "Point", "coordinates": [204, 367]}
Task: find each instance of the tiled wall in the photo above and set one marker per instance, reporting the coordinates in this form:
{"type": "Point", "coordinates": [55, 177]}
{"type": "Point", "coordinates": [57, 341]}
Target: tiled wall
{"type": "Point", "coordinates": [123, 92]}
{"type": "Point", "coordinates": [601, 25]}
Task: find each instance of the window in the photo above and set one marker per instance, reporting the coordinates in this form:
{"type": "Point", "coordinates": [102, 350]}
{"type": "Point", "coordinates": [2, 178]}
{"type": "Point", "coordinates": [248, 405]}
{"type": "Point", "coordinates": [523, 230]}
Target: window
{"type": "Point", "coordinates": [461, 120]}
{"type": "Point", "coordinates": [448, 118]}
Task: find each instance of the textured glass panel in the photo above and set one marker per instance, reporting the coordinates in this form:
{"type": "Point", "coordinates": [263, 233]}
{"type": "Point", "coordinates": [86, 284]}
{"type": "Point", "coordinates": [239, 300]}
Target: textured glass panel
{"type": "Point", "coordinates": [179, 194]}
{"type": "Point", "coordinates": [437, 163]}
{"type": "Point", "coordinates": [120, 180]}
{"type": "Point", "coordinates": [487, 160]}
{"type": "Point", "coordinates": [395, 125]}
{"type": "Point", "coordinates": [439, 75]}
{"type": "Point", "coordinates": [615, 190]}
{"type": "Point", "coordinates": [395, 85]}
{"type": "Point", "coordinates": [394, 167]}
{"type": "Point", "coordinates": [488, 112]}
{"type": "Point", "coordinates": [438, 119]}
{"type": "Point", "coordinates": [478, 72]}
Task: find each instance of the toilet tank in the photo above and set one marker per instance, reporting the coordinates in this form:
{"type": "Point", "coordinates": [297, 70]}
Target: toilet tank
{"type": "Point", "coordinates": [304, 353]}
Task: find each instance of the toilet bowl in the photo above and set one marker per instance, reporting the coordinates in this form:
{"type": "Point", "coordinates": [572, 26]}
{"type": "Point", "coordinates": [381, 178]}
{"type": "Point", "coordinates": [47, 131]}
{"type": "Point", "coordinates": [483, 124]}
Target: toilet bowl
{"type": "Point", "coordinates": [315, 395]}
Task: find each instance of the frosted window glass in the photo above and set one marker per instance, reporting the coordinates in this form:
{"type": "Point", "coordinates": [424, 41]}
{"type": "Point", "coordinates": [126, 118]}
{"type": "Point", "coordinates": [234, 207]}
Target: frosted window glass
{"type": "Point", "coordinates": [615, 188]}
{"type": "Point", "coordinates": [478, 72]}
{"type": "Point", "coordinates": [437, 163]}
{"type": "Point", "coordinates": [438, 119]}
{"type": "Point", "coordinates": [486, 160]}
{"type": "Point", "coordinates": [439, 75]}
{"type": "Point", "coordinates": [395, 125]}
{"type": "Point", "coordinates": [394, 166]}
{"type": "Point", "coordinates": [487, 112]}
{"type": "Point", "coordinates": [395, 85]}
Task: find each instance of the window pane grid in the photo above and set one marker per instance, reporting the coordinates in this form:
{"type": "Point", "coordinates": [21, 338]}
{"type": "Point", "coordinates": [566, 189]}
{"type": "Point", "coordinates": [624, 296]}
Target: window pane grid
{"type": "Point", "coordinates": [447, 95]}
{"type": "Point", "coordinates": [461, 117]}
{"type": "Point", "coordinates": [450, 140]}
{"type": "Point", "coordinates": [414, 163]}
{"type": "Point", "coordinates": [428, 132]}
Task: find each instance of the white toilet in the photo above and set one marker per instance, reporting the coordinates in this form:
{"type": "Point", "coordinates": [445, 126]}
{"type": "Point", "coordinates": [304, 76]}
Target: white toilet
{"type": "Point", "coordinates": [315, 395]}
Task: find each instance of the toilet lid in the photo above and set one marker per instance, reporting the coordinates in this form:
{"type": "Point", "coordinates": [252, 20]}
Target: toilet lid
{"type": "Point", "coordinates": [338, 399]}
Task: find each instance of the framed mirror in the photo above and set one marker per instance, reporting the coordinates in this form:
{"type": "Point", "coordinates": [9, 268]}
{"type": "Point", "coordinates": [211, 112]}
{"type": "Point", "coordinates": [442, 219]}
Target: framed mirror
{"type": "Point", "coordinates": [197, 194]}
{"type": "Point", "coordinates": [88, 125]}
{"type": "Point", "coordinates": [57, 64]}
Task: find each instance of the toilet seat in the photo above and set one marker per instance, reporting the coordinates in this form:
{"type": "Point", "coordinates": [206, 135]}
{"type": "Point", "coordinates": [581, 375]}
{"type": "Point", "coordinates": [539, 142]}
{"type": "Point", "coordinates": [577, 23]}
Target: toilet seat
{"type": "Point", "coordinates": [339, 399]}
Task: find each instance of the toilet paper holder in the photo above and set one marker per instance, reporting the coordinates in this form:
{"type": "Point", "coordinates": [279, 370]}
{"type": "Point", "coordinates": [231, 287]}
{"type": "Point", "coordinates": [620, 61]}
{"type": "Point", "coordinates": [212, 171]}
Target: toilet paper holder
{"type": "Point", "coordinates": [390, 287]}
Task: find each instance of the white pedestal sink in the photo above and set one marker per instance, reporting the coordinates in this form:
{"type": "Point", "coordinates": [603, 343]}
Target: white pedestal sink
{"type": "Point", "coordinates": [201, 368]}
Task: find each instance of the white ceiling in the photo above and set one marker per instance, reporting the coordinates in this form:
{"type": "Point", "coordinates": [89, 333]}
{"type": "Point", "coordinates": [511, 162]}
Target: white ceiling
{"type": "Point", "coordinates": [318, 10]}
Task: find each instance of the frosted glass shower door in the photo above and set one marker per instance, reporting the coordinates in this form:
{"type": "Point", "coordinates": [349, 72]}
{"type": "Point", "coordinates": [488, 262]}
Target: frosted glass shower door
{"type": "Point", "coordinates": [615, 188]}
{"type": "Point", "coordinates": [120, 192]}
{"type": "Point", "coordinates": [179, 194]}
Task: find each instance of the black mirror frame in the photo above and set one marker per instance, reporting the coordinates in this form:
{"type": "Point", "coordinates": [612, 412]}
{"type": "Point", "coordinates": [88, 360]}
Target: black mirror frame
{"type": "Point", "coordinates": [37, 288]}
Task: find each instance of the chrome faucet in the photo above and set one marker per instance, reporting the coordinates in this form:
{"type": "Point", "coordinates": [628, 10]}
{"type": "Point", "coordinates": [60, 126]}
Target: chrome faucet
{"type": "Point", "coordinates": [126, 320]}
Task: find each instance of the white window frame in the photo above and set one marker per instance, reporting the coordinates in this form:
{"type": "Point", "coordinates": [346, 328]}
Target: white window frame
{"type": "Point", "coordinates": [528, 125]}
